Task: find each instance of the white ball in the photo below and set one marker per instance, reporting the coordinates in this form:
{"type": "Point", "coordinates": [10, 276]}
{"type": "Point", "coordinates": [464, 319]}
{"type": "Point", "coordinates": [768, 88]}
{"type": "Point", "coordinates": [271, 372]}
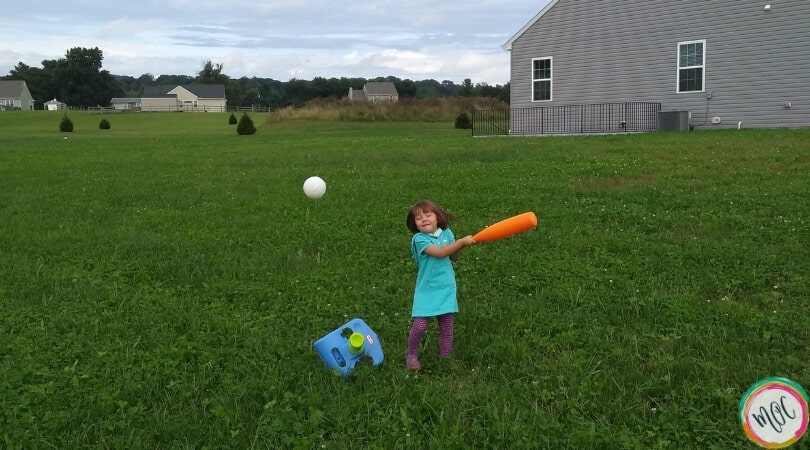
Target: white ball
{"type": "Point", "coordinates": [314, 187]}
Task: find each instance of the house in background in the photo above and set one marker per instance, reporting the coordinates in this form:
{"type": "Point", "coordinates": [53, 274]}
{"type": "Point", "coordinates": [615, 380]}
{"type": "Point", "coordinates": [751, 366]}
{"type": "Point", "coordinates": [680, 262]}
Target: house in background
{"type": "Point", "coordinates": [721, 63]}
{"type": "Point", "coordinates": [14, 94]}
{"type": "Point", "coordinates": [54, 105]}
{"type": "Point", "coordinates": [189, 97]}
{"type": "Point", "coordinates": [375, 91]}
{"type": "Point", "coordinates": [125, 103]}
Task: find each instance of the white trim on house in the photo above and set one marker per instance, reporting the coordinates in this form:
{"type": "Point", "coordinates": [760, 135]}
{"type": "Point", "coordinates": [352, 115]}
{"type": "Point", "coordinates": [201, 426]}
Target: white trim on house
{"type": "Point", "coordinates": [550, 80]}
{"type": "Point", "coordinates": [701, 66]}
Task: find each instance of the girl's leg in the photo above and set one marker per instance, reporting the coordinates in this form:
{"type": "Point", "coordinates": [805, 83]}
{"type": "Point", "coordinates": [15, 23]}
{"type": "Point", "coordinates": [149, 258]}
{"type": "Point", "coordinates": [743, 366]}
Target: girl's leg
{"type": "Point", "coordinates": [445, 335]}
{"type": "Point", "coordinates": [418, 329]}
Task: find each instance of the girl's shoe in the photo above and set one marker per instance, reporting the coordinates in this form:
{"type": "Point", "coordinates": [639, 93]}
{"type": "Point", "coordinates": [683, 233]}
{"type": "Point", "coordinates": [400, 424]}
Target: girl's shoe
{"type": "Point", "coordinates": [413, 363]}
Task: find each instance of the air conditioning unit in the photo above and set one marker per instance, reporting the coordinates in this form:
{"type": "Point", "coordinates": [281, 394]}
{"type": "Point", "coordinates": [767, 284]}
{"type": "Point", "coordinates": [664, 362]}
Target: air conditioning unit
{"type": "Point", "coordinates": [673, 121]}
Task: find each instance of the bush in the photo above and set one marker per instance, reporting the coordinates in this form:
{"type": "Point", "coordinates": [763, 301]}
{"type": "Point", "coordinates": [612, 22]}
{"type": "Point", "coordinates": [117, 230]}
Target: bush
{"type": "Point", "coordinates": [463, 121]}
{"type": "Point", "coordinates": [245, 126]}
{"type": "Point", "coordinates": [104, 124]}
{"type": "Point", "coordinates": [66, 125]}
{"type": "Point", "coordinates": [232, 120]}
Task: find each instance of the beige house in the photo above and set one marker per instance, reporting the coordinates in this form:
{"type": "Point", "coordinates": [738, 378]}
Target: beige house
{"type": "Point", "coordinates": [14, 94]}
{"type": "Point", "coordinates": [190, 97]}
{"type": "Point", "coordinates": [375, 91]}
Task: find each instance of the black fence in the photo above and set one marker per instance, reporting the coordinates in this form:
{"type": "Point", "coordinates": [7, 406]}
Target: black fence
{"type": "Point", "coordinates": [599, 118]}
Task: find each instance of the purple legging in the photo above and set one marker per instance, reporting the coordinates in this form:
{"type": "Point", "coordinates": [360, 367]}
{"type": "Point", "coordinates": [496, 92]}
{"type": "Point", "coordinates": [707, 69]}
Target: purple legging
{"type": "Point", "coordinates": [420, 326]}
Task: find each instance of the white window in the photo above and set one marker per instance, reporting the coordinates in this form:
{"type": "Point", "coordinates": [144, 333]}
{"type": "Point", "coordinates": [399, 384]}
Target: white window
{"type": "Point", "coordinates": [541, 79]}
{"type": "Point", "coordinates": [691, 66]}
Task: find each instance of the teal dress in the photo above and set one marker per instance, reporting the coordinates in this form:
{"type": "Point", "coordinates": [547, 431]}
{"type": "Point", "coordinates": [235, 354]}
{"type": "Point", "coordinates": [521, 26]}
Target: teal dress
{"type": "Point", "coordinates": [435, 292]}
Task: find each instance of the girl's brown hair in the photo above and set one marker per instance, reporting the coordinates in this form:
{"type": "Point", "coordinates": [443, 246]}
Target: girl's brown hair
{"type": "Point", "coordinates": [443, 218]}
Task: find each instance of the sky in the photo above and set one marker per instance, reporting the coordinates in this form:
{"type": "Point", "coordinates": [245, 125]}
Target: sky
{"type": "Point", "coordinates": [282, 40]}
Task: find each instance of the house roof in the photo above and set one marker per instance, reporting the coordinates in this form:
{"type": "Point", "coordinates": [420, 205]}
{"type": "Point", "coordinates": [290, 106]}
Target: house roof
{"type": "Point", "coordinates": [358, 94]}
{"type": "Point", "coordinates": [54, 102]}
{"type": "Point", "coordinates": [11, 88]}
{"type": "Point", "coordinates": [508, 44]}
{"type": "Point", "coordinates": [158, 91]}
{"type": "Point", "coordinates": [380, 88]}
{"type": "Point", "coordinates": [200, 90]}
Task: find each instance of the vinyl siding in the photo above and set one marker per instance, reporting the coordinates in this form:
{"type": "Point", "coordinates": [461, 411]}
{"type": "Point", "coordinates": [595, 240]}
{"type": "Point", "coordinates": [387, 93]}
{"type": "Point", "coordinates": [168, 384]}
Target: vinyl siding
{"type": "Point", "coordinates": [626, 50]}
{"type": "Point", "coordinates": [15, 94]}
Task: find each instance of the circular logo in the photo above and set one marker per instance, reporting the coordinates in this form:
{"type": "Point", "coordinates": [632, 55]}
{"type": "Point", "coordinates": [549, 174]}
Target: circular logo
{"type": "Point", "coordinates": [774, 412]}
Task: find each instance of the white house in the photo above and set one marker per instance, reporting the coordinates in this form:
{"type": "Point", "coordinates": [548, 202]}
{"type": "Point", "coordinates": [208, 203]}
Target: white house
{"type": "Point", "coordinates": [55, 105]}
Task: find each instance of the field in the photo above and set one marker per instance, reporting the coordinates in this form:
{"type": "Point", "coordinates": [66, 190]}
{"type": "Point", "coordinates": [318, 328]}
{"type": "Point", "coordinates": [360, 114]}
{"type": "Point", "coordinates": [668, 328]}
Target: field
{"type": "Point", "coordinates": [162, 284]}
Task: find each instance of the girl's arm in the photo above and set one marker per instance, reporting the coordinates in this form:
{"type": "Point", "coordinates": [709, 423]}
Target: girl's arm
{"type": "Point", "coordinates": [451, 250]}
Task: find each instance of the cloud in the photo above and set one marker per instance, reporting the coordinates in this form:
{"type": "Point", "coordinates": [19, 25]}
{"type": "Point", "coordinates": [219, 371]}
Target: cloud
{"type": "Point", "coordinates": [296, 38]}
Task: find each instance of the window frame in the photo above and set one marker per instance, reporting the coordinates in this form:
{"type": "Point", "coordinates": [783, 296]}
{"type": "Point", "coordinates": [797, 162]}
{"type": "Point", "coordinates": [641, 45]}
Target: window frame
{"type": "Point", "coordinates": [550, 79]}
{"type": "Point", "coordinates": [701, 66]}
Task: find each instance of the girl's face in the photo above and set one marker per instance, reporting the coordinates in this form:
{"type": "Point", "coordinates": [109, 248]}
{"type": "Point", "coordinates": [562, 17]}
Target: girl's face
{"type": "Point", "coordinates": [426, 221]}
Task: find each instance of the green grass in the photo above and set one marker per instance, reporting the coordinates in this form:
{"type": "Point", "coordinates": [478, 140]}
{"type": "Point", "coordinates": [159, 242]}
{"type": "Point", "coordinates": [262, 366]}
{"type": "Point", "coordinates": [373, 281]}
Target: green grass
{"type": "Point", "coordinates": [162, 283]}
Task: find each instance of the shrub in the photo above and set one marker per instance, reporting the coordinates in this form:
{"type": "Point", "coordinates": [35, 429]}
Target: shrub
{"type": "Point", "coordinates": [232, 120]}
{"type": "Point", "coordinates": [245, 126]}
{"type": "Point", "coordinates": [463, 121]}
{"type": "Point", "coordinates": [66, 125]}
{"type": "Point", "coordinates": [104, 124]}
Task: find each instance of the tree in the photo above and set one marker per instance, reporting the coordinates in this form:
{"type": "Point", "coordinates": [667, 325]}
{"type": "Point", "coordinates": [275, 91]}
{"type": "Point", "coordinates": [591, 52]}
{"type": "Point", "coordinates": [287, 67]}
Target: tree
{"type": "Point", "coordinates": [449, 88]}
{"type": "Point", "coordinates": [83, 81]}
{"type": "Point", "coordinates": [298, 92]}
{"type": "Point", "coordinates": [406, 88]}
{"type": "Point", "coordinates": [322, 88]}
{"type": "Point", "coordinates": [76, 79]}
{"type": "Point", "coordinates": [211, 74]}
{"type": "Point", "coordinates": [245, 126]}
{"type": "Point", "coordinates": [146, 79]}
{"type": "Point", "coordinates": [173, 79]}
{"type": "Point", "coordinates": [34, 78]}
{"type": "Point", "coordinates": [466, 88]}
{"type": "Point", "coordinates": [66, 125]}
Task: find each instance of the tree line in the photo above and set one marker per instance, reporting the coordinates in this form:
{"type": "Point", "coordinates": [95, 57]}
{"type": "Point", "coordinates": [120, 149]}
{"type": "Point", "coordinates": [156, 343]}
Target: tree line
{"type": "Point", "coordinates": [78, 80]}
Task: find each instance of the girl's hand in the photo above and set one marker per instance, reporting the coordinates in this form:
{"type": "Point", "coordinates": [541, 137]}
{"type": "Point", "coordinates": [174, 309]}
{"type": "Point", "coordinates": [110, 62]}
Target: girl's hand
{"type": "Point", "coordinates": [467, 241]}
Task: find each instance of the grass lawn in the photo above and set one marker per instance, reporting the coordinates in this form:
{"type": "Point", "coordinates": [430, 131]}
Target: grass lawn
{"type": "Point", "coordinates": [162, 284]}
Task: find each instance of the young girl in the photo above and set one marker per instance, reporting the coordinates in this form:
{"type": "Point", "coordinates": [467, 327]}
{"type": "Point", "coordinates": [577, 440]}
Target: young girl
{"type": "Point", "coordinates": [433, 247]}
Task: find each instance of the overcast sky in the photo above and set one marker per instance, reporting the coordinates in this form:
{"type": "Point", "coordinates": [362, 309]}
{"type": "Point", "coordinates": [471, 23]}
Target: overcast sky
{"type": "Point", "coordinates": [415, 39]}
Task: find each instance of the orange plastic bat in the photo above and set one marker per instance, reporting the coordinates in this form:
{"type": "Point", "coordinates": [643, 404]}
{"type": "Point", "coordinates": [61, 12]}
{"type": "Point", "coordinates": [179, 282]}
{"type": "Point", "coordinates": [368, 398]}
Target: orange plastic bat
{"type": "Point", "coordinates": [507, 227]}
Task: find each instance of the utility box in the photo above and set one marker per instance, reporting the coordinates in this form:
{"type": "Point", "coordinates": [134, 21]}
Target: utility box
{"type": "Point", "coordinates": [673, 121]}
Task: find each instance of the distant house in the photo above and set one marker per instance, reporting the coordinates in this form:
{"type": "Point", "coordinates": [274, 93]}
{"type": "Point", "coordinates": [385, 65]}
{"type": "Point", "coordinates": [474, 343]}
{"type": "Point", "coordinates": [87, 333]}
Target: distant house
{"type": "Point", "coordinates": [126, 103]}
{"type": "Point", "coordinates": [54, 105]}
{"type": "Point", "coordinates": [189, 97]}
{"type": "Point", "coordinates": [724, 63]}
{"type": "Point", "coordinates": [14, 94]}
{"type": "Point", "coordinates": [375, 91]}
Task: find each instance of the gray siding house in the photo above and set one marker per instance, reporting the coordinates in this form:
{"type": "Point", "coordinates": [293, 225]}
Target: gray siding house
{"type": "Point", "coordinates": [728, 63]}
{"type": "Point", "coordinates": [14, 94]}
{"type": "Point", "coordinates": [375, 91]}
